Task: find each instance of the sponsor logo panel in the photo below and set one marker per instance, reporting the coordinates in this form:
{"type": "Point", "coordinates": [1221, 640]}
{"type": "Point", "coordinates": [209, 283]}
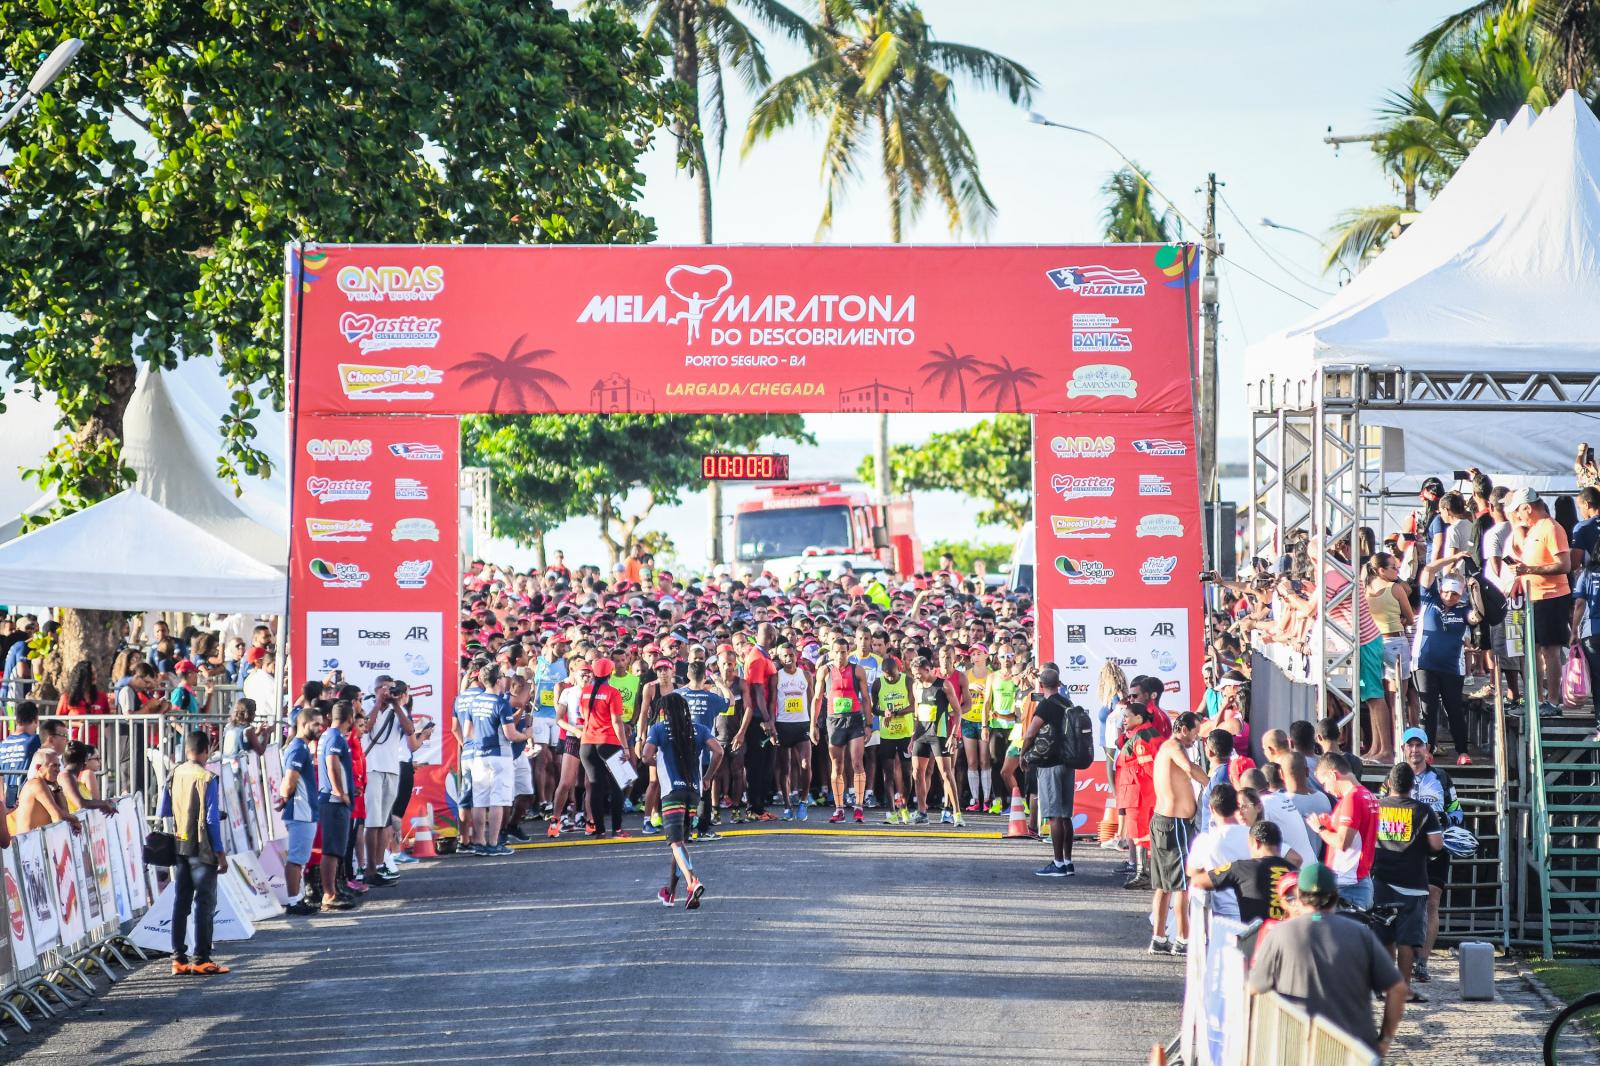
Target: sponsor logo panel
{"type": "Point", "coordinates": [1083, 527]}
{"type": "Point", "coordinates": [339, 450]}
{"type": "Point", "coordinates": [1083, 447]}
{"type": "Point", "coordinates": [365, 284]}
{"type": "Point", "coordinates": [1154, 485]}
{"type": "Point", "coordinates": [413, 451]}
{"type": "Point", "coordinates": [368, 381]}
{"type": "Point", "coordinates": [1071, 487]}
{"type": "Point", "coordinates": [1159, 525]}
{"type": "Point", "coordinates": [1100, 333]}
{"type": "Point", "coordinates": [338, 529]}
{"type": "Point", "coordinates": [373, 334]}
{"type": "Point", "coordinates": [338, 575]}
{"type": "Point", "coordinates": [332, 490]}
{"type": "Point", "coordinates": [1102, 379]}
{"type": "Point", "coordinates": [1097, 280]}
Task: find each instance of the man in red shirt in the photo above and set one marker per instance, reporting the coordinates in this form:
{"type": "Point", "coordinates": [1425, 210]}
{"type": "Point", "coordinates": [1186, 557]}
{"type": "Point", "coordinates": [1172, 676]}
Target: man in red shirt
{"type": "Point", "coordinates": [760, 712]}
{"type": "Point", "coordinates": [1350, 833]}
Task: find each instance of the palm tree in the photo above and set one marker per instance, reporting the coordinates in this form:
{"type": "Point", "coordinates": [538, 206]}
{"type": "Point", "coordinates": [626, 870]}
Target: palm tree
{"type": "Point", "coordinates": [707, 40]}
{"type": "Point", "coordinates": [1003, 376]}
{"type": "Point", "coordinates": [1465, 82]}
{"type": "Point", "coordinates": [1128, 216]}
{"type": "Point", "coordinates": [881, 84]}
{"type": "Point", "coordinates": [1566, 34]}
{"type": "Point", "coordinates": [946, 367]}
{"type": "Point", "coordinates": [513, 371]}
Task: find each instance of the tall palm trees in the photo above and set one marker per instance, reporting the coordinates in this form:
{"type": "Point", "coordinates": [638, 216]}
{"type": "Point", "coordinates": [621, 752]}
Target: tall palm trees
{"type": "Point", "coordinates": [883, 86]}
{"type": "Point", "coordinates": [1128, 214]}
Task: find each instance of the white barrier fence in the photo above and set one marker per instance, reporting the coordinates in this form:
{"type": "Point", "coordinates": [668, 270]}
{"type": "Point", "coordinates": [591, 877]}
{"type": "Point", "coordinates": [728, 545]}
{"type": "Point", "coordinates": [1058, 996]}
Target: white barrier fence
{"type": "Point", "coordinates": [79, 902]}
{"type": "Point", "coordinates": [1223, 1025]}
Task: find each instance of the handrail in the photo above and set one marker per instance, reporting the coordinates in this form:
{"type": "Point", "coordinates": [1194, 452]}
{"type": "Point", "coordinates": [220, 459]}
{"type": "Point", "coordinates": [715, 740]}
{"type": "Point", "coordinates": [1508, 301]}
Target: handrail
{"type": "Point", "coordinates": [1539, 817]}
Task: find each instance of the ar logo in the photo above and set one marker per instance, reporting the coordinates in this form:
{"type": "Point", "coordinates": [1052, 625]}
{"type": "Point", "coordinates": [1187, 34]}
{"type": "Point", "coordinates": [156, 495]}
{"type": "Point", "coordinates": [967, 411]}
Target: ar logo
{"type": "Point", "coordinates": [1164, 629]}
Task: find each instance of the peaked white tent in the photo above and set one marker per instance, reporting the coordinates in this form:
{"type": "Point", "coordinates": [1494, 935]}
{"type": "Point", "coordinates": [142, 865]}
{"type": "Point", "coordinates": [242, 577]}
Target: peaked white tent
{"type": "Point", "coordinates": [1501, 271]}
{"type": "Point", "coordinates": [129, 553]}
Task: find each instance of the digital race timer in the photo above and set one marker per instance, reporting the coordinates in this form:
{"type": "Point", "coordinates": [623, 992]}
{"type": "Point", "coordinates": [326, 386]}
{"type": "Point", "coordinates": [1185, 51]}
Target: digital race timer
{"type": "Point", "coordinates": [722, 467]}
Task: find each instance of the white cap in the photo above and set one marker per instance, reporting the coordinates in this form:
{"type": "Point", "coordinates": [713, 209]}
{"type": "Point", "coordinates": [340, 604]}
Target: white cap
{"type": "Point", "coordinates": [1450, 584]}
{"type": "Point", "coordinates": [1520, 497]}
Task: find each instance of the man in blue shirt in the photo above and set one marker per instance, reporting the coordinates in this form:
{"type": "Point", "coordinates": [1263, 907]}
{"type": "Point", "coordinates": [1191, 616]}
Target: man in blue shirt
{"type": "Point", "coordinates": [1586, 589]}
{"type": "Point", "coordinates": [334, 797]}
{"type": "Point", "coordinates": [549, 674]}
{"type": "Point", "coordinates": [297, 799]}
{"type": "Point", "coordinates": [27, 628]}
{"type": "Point", "coordinates": [705, 707]}
{"type": "Point", "coordinates": [490, 732]}
{"type": "Point", "coordinates": [679, 747]}
{"type": "Point", "coordinates": [1438, 654]}
{"type": "Point", "coordinates": [16, 751]}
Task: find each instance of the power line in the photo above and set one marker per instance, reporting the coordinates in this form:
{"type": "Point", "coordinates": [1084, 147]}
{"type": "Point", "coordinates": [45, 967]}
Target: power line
{"type": "Point", "coordinates": [1271, 285]}
{"type": "Point", "coordinates": [1263, 249]}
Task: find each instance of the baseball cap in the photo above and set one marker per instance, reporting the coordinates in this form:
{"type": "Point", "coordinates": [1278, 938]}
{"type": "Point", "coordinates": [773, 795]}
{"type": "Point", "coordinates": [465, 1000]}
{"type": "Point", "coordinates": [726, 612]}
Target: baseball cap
{"type": "Point", "coordinates": [186, 666]}
{"type": "Point", "coordinates": [1450, 584]}
{"type": "Point", "coordinates": [1232, 679]}
{"type": "Point", "coordinates": [1317, 879]}
{"type": "Point", "coordinates": [1520, 497]}
{"type": "Point", "coordinates": [1414, 733]}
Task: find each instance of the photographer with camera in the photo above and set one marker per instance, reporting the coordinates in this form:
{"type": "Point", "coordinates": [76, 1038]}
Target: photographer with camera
{"type": "Point", "coordinates": [389, 733]}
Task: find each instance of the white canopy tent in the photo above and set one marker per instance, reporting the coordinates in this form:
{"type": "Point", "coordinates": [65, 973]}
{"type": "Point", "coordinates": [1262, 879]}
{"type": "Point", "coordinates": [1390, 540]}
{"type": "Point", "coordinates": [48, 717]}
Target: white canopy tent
{"type": "Point", "coordinates": [171, 440]}
{"type": "Point", "coordinates": [129, 553]}
{"type": "Point", "coordinates": [1501, 271]}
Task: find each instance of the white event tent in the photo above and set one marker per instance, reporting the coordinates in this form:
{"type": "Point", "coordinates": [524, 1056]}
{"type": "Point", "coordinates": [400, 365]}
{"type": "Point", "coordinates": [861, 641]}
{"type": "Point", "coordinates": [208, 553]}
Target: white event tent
{"type": "Point", "coordinates": [129, 553]}
{"type": "Point", "coordinates": [1500, 272]}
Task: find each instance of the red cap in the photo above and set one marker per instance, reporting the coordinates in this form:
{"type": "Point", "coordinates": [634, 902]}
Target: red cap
{"type": "Point", "coordinates": [185, 666]}
{"type": "Point", "coordinates": [603, 668]}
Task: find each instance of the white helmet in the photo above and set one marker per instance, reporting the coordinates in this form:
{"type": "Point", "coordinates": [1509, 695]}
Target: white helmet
{"type": "Point", "coordinates": [1460, 842]}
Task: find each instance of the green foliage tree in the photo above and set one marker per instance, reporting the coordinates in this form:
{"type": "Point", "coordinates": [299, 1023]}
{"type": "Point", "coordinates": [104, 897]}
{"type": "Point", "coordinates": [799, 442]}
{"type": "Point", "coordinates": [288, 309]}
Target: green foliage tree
{"type": "Point", "coordinates": [992, 462]}
{"type": "Point", "coordinates": [994, 553]}
{"type": "Point", "coordinates": [1128, 215]}
{"type": "Point", "coordinates": [145, 204]}
{"type": "Point", "coordinates": [549, 468]}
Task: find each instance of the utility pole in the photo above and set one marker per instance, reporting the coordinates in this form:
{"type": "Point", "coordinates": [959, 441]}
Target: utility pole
{"type": "Point", "coordinates": [1209, 313]}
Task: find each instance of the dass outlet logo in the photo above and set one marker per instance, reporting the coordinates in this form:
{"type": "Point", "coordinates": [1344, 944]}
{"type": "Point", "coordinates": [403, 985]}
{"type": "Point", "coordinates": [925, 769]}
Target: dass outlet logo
{"type": "Point", "coordinates": [363, 284]}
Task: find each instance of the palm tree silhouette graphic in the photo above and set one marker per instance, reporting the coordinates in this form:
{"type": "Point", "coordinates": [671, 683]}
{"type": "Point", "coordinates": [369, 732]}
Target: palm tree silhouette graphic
{"type": "Point", "coordinates": [513, 372]}
{"type": "Point", "coordinates": [946, 367]}
{"type": "Point", "coordinates": [1002, 377]}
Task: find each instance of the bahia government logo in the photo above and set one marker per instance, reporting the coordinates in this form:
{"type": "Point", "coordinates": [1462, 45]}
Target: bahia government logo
{"type": "Point", "coordinates": [1071, 487]}
{"type": "Point", "coordinates": [413, 573]}
{"type": "Point", "coordinates": [1100, 333]}
{"type": "Point", "coordinates": [1097, 280]}
{"type": "Point", "coordinates": [1102, 379]}
{"type": "Point", "coordinates": [338, 575]}
{"type": "Point", "coordinates": [409, 488]}
{"type": "Point", "coordinates": [373, 334]}
{"type": "Point", "coordinates": [1160, 446]}
{"type": "Point", "coordinates": [1084, 571]}
{"type": "Point", "coordinates": [364, 284]}
{"type": "Point", "coordinates": [1154, 485]}
{"type": "Point", "coordinates": [1083, 447]}
{"type": "Point", "coordinates": [415, 452]}
{"type": "Point", "coordinates": [1157, 569]}
{"type": "Point", "coordinates": [338, 450]}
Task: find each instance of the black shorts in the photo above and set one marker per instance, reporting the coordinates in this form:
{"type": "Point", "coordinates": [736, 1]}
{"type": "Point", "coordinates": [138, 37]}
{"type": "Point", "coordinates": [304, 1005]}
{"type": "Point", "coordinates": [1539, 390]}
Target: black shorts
{"type": "Point", "coordinates": [793, 734]}
{"type": "Point", "coordinates": [1410, 926]}
{"type": "Point", "coordinates": [335, 821]}
{"type": "Point", "coordinates": [843, 728]}
{"type": "Point", "coordinates": [926, 742]}
{"type": "Point", "coordinates": [675, 808]}
{"type": "Point", "coordinates": [1169, 852]}
{"type": "Point", "coordinates": [893, 749]}
{"type": "Point", "coordinates": [570, 745]}
{"type": "Point", "coordinates": [723, 727]}
{"type": "Point", "coordinates": [1439, 869]}
{"type": "Point", "coordinates": [1552, 622]}
{"type": "Point", "coordinates": [402, 798]}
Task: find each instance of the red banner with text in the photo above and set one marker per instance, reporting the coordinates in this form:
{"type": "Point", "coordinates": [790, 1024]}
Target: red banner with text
{"type": "Point", "coordinates": [373, 571]}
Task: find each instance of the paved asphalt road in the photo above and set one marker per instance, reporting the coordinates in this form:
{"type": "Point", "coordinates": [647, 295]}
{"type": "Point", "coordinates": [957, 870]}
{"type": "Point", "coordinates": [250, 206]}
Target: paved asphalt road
{"type": "Point", "coordinates": [809, 948]}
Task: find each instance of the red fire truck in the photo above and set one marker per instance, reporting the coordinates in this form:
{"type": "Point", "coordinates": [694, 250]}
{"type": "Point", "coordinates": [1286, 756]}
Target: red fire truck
{"type": "Point", "coordinates": [813, 527]}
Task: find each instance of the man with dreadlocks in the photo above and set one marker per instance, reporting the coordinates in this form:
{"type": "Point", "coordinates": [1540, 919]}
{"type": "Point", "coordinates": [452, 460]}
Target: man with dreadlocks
{"type": "Point", "coordinates": [676, 745]}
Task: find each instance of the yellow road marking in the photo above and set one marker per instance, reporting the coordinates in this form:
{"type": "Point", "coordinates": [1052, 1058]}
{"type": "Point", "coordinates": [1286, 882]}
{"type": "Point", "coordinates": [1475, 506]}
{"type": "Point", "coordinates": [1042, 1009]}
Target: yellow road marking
{"type": "Point", "coordinates": [653, 837]}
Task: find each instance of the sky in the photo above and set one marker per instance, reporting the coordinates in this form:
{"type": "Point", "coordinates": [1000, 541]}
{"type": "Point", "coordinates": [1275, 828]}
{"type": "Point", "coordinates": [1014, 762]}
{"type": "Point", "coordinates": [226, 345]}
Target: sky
{"type": "Point", "coordinates": [1245, 90]}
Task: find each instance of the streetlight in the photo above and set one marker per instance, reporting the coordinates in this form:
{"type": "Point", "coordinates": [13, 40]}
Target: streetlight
{"type": "Point", "coordinates": [1040, 120]}
{"type": "Point", "coordinates": [1267, 222]}
{"type": "Point", "coordinates": [48, 72]}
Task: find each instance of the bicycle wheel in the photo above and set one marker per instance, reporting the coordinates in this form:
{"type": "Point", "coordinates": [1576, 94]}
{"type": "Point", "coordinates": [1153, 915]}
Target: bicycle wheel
{"type": "Point", "coordinates": [1573, 1039]}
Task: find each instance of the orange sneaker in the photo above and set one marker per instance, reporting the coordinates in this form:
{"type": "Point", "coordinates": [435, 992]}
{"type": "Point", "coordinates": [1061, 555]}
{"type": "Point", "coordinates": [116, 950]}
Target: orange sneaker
{"type": "Point", "coordinates": [209, 969]}
{"type": "Point", "coordinates": [554, 830]}
{"type": "Point", "coordinates": [182, 969]}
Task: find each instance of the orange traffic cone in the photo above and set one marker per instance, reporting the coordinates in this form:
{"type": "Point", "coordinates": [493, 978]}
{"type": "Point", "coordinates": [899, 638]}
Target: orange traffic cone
{"type": "Point", "coordinates": [1158, 1055]}
{"type": "Point", "coordinates": [422, 836]}
{"type": "Point", "coordinates": [1018, 827]}
{"type": "Point", "coordinates": [1108, 824]}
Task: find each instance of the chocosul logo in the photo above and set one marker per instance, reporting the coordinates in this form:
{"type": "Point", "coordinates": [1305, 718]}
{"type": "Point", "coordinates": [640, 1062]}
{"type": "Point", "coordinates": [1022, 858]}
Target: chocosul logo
{"type": "Point", "coordinates": [1083, 527]}
{"type": "Point", "coordinates": [696, 295]}
{"type": "Point", "coordinates": [363, 381]}
{"type": "Point", "coordinates": [371, 283]}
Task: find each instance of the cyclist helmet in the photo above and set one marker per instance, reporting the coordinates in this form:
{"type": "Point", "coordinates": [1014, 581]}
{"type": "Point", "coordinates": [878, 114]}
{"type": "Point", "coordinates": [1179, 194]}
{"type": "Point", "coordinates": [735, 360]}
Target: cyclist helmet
{"type": "Point", "coordinates": [1460, 842]}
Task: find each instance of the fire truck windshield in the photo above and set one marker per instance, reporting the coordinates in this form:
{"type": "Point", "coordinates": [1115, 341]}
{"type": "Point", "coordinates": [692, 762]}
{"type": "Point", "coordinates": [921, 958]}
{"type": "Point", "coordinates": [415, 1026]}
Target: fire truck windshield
{"type": "Point", "coordinates": [778, 533]}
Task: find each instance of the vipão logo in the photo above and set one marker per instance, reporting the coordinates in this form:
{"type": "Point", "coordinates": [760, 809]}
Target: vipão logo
{"type": "Point", "coordinates": [330, 490]}
{"type": "Point", "coordinates": [1083, 527]}
{"type": "Point", "coordinates": [338, 575]}
{"type": "Point", "coordinates": [413, 451]}
{"type": "Point", "coordinates": [339, 450]}
{"type": "Point", "coordinates": [1076, 488]}
{"type": "Point", "coordinates": [338, 529]}
{"type": "Point", "coordinates": [1097, 280]}
{"type": "Point", "coordinates": [409, 488]}
{"type": "Point", "coordinates": [1157, 569]}
{"type": "Point", "coordinates": [1100, 333]}
{"type": "Point", "coordinates": [1084, 571]}
{"type": "Point", "coordinates": [1160, 446]}
{"type": "Point", "coordinates": [1102, 379]}
{"type": "Point", "coordinates": [370, 283]}
{"type": "Point", "coordinates": [1083, 447]}
{"type": "Point", "coordinates": [1159, 525]}
{"type": "Point", "coordinates": [362, 381]}
{"type": "Point", "coordinates": [413, 573]}
{"type": "Point", "coordinates": [373, 334]}
{"type": "Point", "coordinates": [1154, 485]}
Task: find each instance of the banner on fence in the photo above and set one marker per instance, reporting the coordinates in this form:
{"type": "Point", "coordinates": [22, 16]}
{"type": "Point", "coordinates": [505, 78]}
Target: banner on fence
{"type": "Point", "coordinates": [128, 825]}
{"type": "Point", "coordinates": [37, 891]}
{"type": "Point", "coordinates": [7, 909]}
{"type": "Point", "coordinates": [271, 861]}
{"type": "Point", "coordinates": [272, 782]}
{"type": "Point", "coordinates": [154, 931]}
{"type": "Point", "coordinates": [88, 889]}
{"type": "Point", "coordinates": [64, 879]}
{"type": "Point", "coordinates": [19, 939]}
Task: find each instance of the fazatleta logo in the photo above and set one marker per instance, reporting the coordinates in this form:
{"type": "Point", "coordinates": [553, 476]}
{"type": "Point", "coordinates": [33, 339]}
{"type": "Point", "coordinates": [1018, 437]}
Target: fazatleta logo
{"type": "Point", "coordinates": [1097, 280]}
{"type": "Point", "coordinates": [704, 293]}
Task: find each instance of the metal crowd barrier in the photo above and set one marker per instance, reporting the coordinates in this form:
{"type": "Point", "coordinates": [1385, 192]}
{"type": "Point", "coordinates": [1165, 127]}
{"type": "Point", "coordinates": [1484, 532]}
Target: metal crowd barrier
{"type": "Point", "coordinates": [69, 902]}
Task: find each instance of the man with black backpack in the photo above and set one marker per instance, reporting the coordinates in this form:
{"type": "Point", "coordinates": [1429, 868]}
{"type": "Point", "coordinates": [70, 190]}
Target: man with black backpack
{"type": "Point", "coordinates": [1059, 741]}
